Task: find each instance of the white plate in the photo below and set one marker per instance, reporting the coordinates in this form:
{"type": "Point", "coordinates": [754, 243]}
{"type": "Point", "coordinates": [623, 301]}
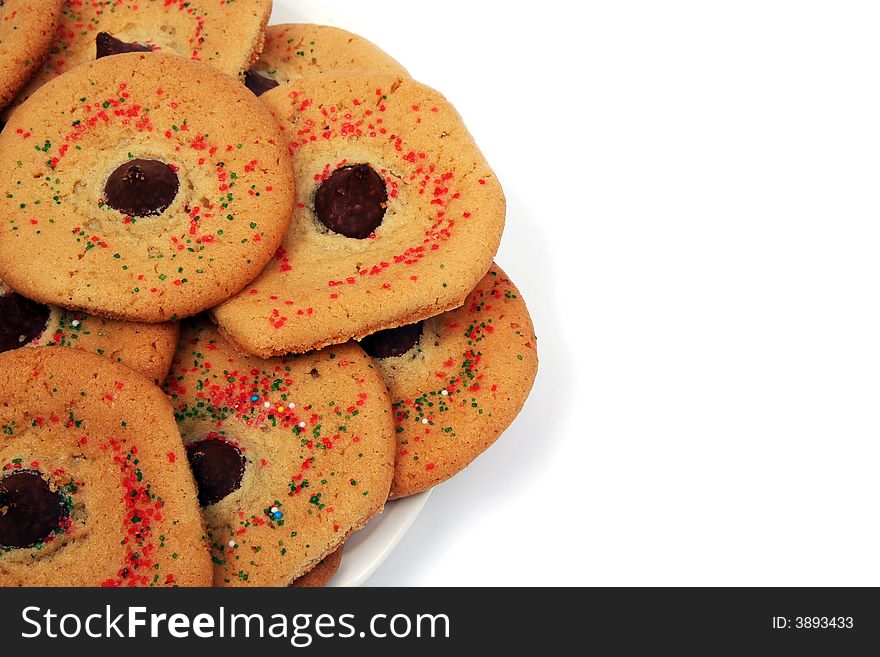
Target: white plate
{"type": "Point", "coordinates": [367, 549]}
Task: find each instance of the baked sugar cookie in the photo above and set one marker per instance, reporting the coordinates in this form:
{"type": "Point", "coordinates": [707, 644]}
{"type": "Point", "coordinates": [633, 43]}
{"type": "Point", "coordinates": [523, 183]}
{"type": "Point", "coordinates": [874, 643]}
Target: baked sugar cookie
{"type": "Point", "coordinates": [94, 487]}
{"type": "Point", "coordinates": [320, 575]}
{"type": "Point", "coordinates": [397, 217]}
{"type": "Point", "coordinates": [145, 348]}
{"type": "Point", "coordinates": [290, 454]}
{"type": "Point", "coordinates": [457, 381]}
{"type": "Point", "coordinates": [128, 192]}
{"type": "Point", "coordinates": [294, 50]}
{"type": "Point", "coordinates": [27, 28]}
{"type": "Point", "coordinates": [226, 35]}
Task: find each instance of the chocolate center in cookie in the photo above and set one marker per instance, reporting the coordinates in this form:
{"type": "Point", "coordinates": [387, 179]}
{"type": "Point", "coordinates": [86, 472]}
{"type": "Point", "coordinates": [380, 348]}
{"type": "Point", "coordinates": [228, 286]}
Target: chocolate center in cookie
{"type": "Point", "coordinates": [352, 201]}
{"type": "Point", "coordinates": [140, 188]}
{"type": "Point", "coordinates": [392, 342]}
{"type": "Point", "coordinates": [218, 468]}
{"type": "Point", "coordinates": [106, 44]}
{"type": "Point", "coordinates": [30, 511]}
{"type": "Point", "coordinates": [258, 83]}
{"type": "Point", "coordinates": [21, 321]}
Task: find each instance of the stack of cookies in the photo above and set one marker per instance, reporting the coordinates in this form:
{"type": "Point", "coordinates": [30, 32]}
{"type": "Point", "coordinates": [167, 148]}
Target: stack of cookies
{"type": "Point", "coordinates": [247, 294]}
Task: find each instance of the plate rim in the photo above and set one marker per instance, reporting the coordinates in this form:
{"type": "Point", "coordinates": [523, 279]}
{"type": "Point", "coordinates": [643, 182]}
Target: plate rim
{"type": "Point", "coordinates": [391, 526]}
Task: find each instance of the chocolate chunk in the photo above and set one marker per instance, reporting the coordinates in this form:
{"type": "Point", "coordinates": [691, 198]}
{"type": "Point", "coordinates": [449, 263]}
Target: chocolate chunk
{"type": "Point", "coordinates": [21, 321]}
{"type": "Point", "coordinates": [30, 511]}
{"type": "Point", "coordinates": [258, 83]}
{"type": "Point", "coordinates": [106, 44]}
{"type": "Point", "coordinates": [218, 468]}
{"type": "Point", "coordinates": [392, 342]}
{"type": "Point", "coordinates": [352, 201]}
{"type": "Point", "coordinates": [140, 188]}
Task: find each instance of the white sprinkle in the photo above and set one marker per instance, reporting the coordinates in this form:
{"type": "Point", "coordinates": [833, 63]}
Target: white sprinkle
{"type": "Point", "coordinates": [424, 420]}
{"type": "Point", "coordinates": [75, 323]}
{"type": "Point", "coordinates": [231, 543]}
{"type": "Point", "coordinates": [302, 425]}
{"type": "Point", "coordinates": [445, 393]}
{"type": "Point", "coordinates": [274, 509]}
{"type": "Point", "coordinates": [291, 405]}
{"type": "Point", "coordinates": [267, 404]}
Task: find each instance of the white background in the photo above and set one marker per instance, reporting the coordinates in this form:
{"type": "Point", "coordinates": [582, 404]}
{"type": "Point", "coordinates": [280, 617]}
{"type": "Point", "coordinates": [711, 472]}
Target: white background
{"type": "Point", "coordinates": [693, 219]}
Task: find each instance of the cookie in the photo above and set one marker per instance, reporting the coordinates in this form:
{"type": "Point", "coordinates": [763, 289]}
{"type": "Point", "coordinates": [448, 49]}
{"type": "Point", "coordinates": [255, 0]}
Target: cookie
{"type": "Point", "coordinates": [293, 50]}
{"type": "Point", "coordinates": [397, 218]}
{"type": "Point", "coordinates": [457, 381]}
{"type": "Point", "coordinates": [226, 35]}
{"type": "Point", "coordinates": [145, 348]}
{"type": "Point", "coordinates": [142, 187]}
{"type": "Point", "coordinates": [290, 454]}
{"type": "Point", "coordinates": [320, 575]}
{"type": "Point", "coordinates": [94, 487]}
{"type": "Point", "coordinates": [27, 28]}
